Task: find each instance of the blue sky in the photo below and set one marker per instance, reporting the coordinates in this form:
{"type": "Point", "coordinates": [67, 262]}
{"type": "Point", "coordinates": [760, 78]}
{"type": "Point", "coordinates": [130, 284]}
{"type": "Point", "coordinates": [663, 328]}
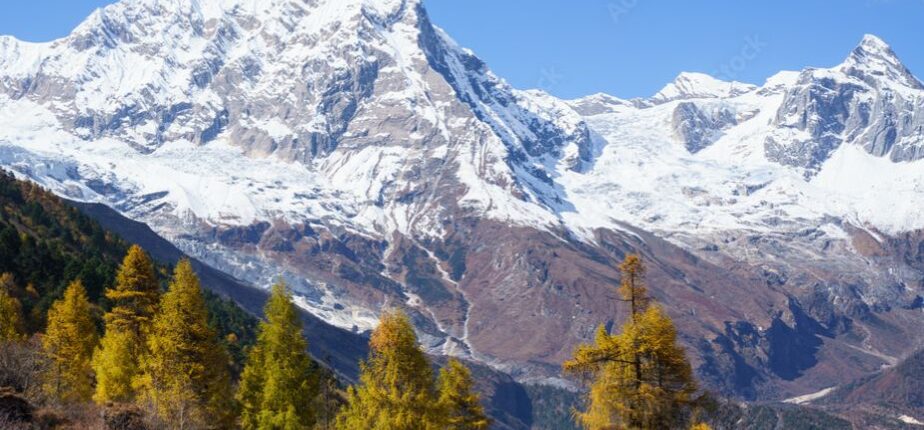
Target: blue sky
{"type": "Point", "coordinates": [626, 48]}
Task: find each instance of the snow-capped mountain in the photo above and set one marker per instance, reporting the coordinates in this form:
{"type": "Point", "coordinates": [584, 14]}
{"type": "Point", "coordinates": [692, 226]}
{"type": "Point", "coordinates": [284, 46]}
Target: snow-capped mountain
{"type": "Point", "coordinates": [839, 142]}
{"type": "Point", "coordinates": [226, 125]}
{"type": "Point", "coordinates": [699, 86]}
{"type": "Point", "coordinates": [356, 149]}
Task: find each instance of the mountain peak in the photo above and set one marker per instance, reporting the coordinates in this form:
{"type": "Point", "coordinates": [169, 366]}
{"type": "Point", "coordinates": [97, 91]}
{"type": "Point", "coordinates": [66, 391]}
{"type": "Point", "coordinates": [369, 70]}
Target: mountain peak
{"type": "Point", "coordinates": [873, 61]}
{"type": "Point", "coordinates": [319, 10]}
{"type": "Point", "coordinates": [871, 42]}
{"type": "Point", "coordinates": [596, 104]}
{"type": "Point", "coordinates": [689, 85]}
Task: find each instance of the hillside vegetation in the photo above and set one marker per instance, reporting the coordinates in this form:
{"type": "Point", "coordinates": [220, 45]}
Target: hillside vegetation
{"type": "Point", "coordinates": [45, 243]}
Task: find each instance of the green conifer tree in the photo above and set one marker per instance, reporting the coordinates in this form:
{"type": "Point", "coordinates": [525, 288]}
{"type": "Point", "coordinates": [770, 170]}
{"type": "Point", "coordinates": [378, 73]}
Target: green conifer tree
{"type": "Point", "coordinates": [395, 389]}
{"type": "Point", "coordinates": [278, 385]}
{"type": "Point", "coordinates": [459, 403]}
{"type": "Point", "coordinates": [68, 343]}
{"type": "Point", "coordinates": [185, 374]}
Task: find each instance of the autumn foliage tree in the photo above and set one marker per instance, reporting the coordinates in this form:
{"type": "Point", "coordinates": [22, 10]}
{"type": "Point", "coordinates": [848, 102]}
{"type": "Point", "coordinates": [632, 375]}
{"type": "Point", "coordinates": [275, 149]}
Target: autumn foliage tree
{"type": "Point", "coordinates": [459, 404]}
{"type": "Point", "coordinates": [136, 294]}
{"type": "Point", "coordinates": [185, 374]}
{"type": "Point", "coordinates": [69, 341]}
{"type": "Point", "coordinates": [396, 390]}
{"type": "Point", "coordinates": [279, 383]}
{"type": "Point", "coordinates": [11, 323]}
{"type": "Point", "coordinates": [640, 377]}
{"type": "Point", "coordinates": [135, 299]}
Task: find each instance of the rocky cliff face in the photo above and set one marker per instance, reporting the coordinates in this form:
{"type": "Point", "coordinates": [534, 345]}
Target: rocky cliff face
{"type": "Point", "coordinates": [698, 126]}
{"type": "Point", "coordinates": [870, 100]}
{"type": "Point", "coordinates": [352, 147]}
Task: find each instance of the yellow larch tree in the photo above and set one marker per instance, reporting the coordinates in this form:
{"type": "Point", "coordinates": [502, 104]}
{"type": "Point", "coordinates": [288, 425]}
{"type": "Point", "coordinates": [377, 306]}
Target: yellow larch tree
{"type": "Point", "coordinates": [11, 324]}
{"type": "Point", "coordinates": [640, 377]}
{"type": "Point", "coordinates": [460, 405]}
{"type": "Point", "coordinates": [396, 389]}
{"type": "Point", "coordinates": [135, 298]}
{"type": "Point", "coordinates": [136, 294]}
{"type": "Point", "coordinates": [185, 374]}
{"type": "Point", "coordinates": [69, 340]}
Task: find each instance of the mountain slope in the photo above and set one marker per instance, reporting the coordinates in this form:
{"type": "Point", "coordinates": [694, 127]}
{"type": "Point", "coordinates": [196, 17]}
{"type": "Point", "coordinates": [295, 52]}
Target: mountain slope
{"type": "Point", "coordinates": [337, 348]}
{"type": "Point", "coordinates": [892, 396]}
{"type": "Point", "coordinates": [352, 146]}
{"type": "Point", "coordinates": [45, 244]}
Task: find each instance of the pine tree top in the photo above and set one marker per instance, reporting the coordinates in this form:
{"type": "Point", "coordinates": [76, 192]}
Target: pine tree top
{"type": "Point", "coordinates": [183, 305]}
{"type": "Point", "coordinates": [279, 309]}
{"type": "Point", "coordinates": [460, 403]}
{"type": "Point", "coordinates": [396, 389]}
{"type": "Point", "coordinates": [394, 333]}
{"type": "Point", "coordinates": [136, 275]}
{"type": "Point", "coordinates": [74, 306]}
{"type": "Point", "coordinates": [632, 284]}
{"type": "Point", "coordinates": [136, 293]}
{"type": "Point", "coordinates": [640, 375]}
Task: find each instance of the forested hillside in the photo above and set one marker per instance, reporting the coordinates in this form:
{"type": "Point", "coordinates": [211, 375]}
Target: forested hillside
{"type": "Point", "coordinates": [46, 243]}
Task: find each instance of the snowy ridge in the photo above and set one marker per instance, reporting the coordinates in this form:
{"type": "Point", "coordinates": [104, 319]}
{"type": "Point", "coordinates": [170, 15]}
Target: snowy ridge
{"type": "Point", "coordinates": [698, 85]}
{"type": "Point", "coordinates": [193, 114]}
{"type": "Point", "coordinates": [556, 176]}
{"type": "Point", "coordinates": [359, 119]}
{"type": "Point", "coordinates": [734, 183]}
{"type": "Point", "coordinates": [873, 60]}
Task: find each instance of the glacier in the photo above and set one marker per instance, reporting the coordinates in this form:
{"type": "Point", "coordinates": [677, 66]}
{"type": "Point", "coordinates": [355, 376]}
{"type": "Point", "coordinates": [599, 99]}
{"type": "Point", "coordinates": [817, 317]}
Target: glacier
{"type": "Point", "coordinates": [240, 129]}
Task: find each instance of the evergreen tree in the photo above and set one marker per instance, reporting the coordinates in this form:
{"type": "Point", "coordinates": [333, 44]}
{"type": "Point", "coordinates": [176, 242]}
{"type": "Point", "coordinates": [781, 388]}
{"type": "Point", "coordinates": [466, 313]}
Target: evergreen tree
{"type": "Point", "coordinates": [11, 324]}
{"type": "Point", "coordinates": [135, 299]}
{"type": "Point", "coordinates": [395, 389]}
{"type": "Point", "coordinates": [328, 401]}
{"type": "Point", "coordinates": [116, 366]}
{"type": "Point", "coordinates": [68, 343]}
{"type": "Point", "coordinates": [185, 373]}
{"type": "Point", "coordinates": [632, 287]}
{"type": "Point", "coordinates": [461, 406]}
{"type": "Point", "coordinates": [136, 294]}
{"type": "Point", "coordinates": [641, 377]}
{"type": "Point", "coordinates": [278, 384]}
